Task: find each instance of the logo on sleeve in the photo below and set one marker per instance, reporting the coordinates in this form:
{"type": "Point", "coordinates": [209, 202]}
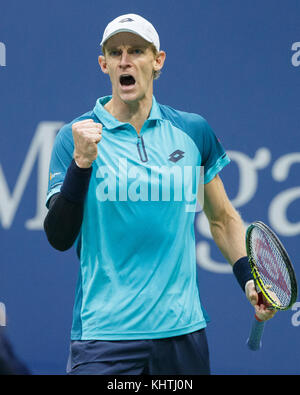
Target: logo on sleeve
{"type": "Point", "coordinates": [176, 156]}
{"type": "Point", "coordinates": [52, 175]}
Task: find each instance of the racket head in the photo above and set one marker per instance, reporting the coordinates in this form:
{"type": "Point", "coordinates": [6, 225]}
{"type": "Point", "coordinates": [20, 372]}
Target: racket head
{"type": "Point", "coordinates": [271, 266]}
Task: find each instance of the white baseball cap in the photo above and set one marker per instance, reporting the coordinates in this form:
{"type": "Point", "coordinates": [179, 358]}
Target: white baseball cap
{"type": "Point", "coordinates": [134, 24]}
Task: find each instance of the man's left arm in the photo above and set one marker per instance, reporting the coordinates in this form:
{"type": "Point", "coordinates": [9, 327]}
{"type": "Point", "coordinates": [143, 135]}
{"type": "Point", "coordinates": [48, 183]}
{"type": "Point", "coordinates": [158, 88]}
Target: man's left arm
{"type": "Point", "coordinates": [228, 232]}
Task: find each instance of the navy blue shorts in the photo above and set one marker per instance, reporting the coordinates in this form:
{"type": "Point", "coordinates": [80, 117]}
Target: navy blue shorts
{"type": "Point", "coordinates": [179, 355]}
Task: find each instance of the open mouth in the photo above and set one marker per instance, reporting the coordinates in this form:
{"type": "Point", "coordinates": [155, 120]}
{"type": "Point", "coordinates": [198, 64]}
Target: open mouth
{"type": "Point", "coordinates": [127, 80]}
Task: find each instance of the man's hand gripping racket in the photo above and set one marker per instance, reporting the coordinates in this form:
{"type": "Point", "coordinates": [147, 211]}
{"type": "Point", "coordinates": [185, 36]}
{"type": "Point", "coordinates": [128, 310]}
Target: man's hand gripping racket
{"type": "Point", "coordinates": [275, 286]}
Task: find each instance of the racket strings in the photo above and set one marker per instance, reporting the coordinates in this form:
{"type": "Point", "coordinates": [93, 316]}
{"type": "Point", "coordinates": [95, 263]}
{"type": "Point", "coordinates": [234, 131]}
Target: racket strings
{"type": "Point", "coordinates": [271, 268]}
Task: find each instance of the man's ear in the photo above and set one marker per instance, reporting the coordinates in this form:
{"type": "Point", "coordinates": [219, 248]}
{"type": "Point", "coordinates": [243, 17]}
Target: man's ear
{"type": "Point", "coordinates": [159, 60]}
{"type": "Point", "coordinates": [103, 64]}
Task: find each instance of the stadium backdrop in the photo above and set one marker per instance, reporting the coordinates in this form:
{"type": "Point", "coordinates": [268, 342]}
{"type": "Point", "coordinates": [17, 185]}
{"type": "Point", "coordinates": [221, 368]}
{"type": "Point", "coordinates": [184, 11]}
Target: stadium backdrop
{"type": "Point", "coordinates": [237, 63]}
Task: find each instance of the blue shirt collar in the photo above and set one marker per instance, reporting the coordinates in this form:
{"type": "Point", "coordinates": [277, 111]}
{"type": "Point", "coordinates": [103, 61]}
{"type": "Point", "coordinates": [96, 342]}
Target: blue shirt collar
{"type": "Point", "coordinates": [111, 122]}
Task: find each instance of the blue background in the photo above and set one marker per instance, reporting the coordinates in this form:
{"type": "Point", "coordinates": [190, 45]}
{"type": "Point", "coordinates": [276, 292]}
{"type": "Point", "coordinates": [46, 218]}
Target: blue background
{"type": "Point", "coordinates": [228, 60]}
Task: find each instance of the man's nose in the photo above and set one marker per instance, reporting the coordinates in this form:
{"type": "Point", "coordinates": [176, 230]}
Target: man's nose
{"type": "Point", "coordinates": [125, 59]}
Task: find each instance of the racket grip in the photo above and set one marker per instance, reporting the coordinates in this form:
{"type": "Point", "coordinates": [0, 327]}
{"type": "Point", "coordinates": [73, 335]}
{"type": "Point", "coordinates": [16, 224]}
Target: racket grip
{"type": "Point", "coordinates": [254, 341]}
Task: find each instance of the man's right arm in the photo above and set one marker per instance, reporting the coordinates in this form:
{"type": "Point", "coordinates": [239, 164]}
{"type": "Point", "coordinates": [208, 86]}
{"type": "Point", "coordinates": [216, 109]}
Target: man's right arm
{"type": "Point", "coordinates": [63, 221]}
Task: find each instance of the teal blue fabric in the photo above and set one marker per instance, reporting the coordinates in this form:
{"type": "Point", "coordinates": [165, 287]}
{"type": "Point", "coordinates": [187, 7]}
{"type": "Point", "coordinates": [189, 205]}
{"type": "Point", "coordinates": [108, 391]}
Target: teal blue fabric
{"type": "Point", "coordinates": [137, 275]}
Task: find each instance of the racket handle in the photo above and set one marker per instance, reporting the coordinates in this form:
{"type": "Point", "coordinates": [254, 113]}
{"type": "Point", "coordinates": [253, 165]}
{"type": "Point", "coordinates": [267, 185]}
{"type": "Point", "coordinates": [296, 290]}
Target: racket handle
{"type": "Point", "coordinates": [254, 341]}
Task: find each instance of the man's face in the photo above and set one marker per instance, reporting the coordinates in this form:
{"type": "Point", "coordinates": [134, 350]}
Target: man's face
{"type": "Point", "coordinates": [129, 60]}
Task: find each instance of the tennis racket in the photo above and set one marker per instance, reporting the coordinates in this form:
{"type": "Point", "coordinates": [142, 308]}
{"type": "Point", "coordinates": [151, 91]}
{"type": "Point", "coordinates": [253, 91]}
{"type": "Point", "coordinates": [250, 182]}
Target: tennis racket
{"type": "Point", "coordinates": [273, 274]}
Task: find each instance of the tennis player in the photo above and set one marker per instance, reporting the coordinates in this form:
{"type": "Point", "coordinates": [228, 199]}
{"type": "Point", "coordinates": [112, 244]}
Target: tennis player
{"type": "Point", "coordinates": [137, 308]}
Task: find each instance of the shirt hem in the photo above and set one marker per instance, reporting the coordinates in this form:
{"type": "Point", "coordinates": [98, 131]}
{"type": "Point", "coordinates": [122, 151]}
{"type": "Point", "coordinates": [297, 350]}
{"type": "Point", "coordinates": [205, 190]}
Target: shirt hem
{"type": "Point", "coordinates": [55, 189]}
{"type": "Point", "coordinates": [139, 335]}
{"type": "Point", "coordinates": [212, 172]}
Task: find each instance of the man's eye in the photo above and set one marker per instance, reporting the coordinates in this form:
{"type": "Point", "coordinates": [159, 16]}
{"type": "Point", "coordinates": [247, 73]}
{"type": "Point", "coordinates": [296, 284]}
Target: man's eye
{"type": "Point", "coordinates": [114, 53]}
{"type": "Point", "coordinates": [137, 51]}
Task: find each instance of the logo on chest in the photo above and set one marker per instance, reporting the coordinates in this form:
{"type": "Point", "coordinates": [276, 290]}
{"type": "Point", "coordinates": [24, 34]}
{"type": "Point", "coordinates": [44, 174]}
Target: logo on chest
{"type": "Point", "coordinates": [176, 156]}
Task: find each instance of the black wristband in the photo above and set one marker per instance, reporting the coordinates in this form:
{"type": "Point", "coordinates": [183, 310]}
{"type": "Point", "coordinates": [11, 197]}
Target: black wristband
{"type": "Point", "coordinates": [76, 183]}
{"type": "Point", "coordinates": [242, 271]}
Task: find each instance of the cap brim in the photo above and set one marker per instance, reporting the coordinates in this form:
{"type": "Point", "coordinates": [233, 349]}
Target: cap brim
{"type": "Point", "coordinates": [125, 30]}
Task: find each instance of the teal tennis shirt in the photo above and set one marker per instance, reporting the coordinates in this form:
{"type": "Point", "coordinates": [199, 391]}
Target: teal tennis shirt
{"type": "Point", "coordinates": [137, 275]}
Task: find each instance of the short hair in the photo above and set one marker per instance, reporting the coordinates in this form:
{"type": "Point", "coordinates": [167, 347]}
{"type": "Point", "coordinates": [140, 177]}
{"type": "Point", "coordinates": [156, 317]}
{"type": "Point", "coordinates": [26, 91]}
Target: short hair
{"type": "Point", "coordinates": [156, 73]}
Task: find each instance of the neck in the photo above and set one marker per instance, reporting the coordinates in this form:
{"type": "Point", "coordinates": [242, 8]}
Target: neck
{"type": "Point", "coordinates": [134, 113]}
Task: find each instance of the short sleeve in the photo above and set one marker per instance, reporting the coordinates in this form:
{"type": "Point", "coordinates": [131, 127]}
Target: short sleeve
{"type": "Point", "coordinates": [214, 157]}
{"type": "Point", "coordinates": [61, 157]}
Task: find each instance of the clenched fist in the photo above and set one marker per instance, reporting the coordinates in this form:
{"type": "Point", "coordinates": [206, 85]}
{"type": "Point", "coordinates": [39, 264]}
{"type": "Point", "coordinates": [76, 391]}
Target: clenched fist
{"type": "Point", "coordinates": [86, 134]}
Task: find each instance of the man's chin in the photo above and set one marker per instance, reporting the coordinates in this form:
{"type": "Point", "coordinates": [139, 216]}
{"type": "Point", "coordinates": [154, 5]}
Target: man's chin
{"type": "Point", "coordinates": [130, 97]}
